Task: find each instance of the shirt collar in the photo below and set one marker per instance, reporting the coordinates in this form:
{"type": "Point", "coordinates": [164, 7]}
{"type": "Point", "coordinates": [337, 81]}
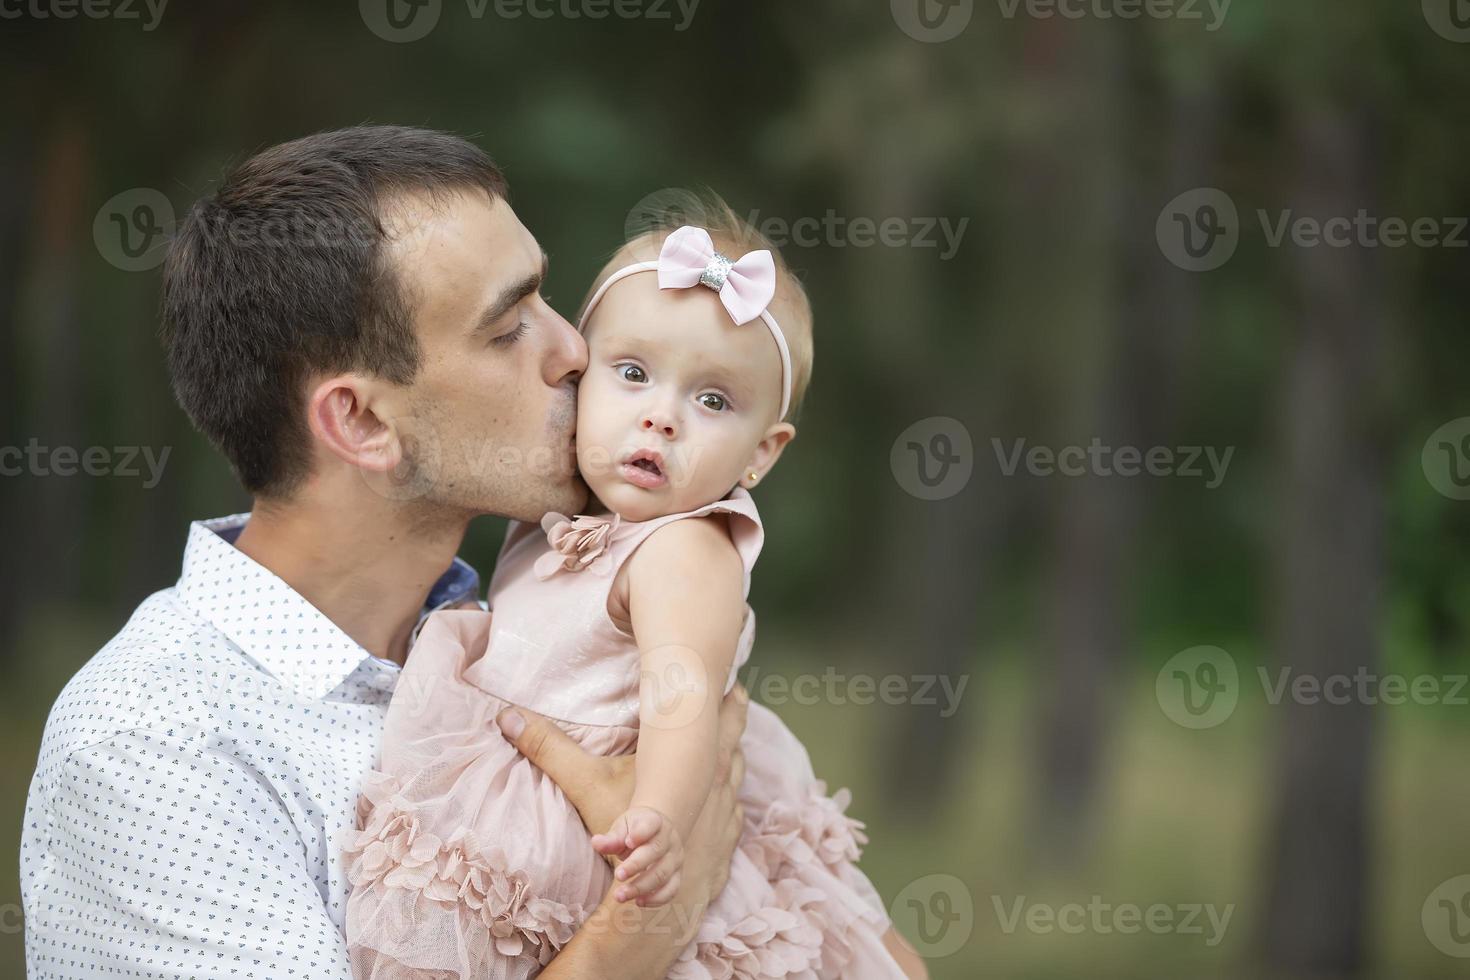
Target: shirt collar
{"type": "Point", "coordinates": [272, 622]}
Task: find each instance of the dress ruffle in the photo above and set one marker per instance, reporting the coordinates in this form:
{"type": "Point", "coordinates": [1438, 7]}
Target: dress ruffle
{"type": "Point", "coordinates": [814, 843]}
{"type": "Point", "coordinates": [394, 854]}
{"type": "Point", "coordinates": [818, 829]}
{"type": "Point", "coordinates": [777, 941]}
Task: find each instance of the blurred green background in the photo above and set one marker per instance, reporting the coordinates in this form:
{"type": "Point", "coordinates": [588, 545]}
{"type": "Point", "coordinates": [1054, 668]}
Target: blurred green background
{"type": "Point", "coordinates": [1071, 159]}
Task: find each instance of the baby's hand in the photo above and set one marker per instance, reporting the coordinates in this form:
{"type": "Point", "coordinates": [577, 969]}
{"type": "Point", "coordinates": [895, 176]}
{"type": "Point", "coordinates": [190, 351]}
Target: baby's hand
{"type": "Point", "coordinates": [652, 853]}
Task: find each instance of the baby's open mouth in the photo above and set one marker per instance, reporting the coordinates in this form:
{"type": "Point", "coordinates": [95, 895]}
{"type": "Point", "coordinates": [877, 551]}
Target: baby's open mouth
{"type": "Point", "coordinates": [644, 468]}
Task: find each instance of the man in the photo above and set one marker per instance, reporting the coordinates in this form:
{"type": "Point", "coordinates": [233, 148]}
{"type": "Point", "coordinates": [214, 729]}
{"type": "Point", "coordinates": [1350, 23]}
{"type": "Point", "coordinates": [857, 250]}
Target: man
{"type": "Point", "coordinates": [355, 320]}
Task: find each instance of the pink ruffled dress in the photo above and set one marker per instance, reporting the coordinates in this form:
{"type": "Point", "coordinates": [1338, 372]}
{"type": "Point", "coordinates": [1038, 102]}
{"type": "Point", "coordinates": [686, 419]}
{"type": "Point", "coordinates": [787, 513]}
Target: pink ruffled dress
{"type": "Point", "coordinates": [470, 863]}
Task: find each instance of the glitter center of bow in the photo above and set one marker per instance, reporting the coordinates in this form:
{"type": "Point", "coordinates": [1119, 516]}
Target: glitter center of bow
{"type": "Point", "coordinates": [716, 272]}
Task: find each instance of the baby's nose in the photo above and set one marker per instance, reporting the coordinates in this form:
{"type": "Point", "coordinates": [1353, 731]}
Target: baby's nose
{"type": "Point", "coordinates": [658, 422]}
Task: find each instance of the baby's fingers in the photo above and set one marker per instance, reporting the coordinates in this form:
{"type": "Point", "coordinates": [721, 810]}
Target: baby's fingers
{"type": "Point", "coordinates": [664, 895]}
{"type": "Point", "coordinates": [642, 859]}
{"type": "Point", "coordinates": [643, 826]}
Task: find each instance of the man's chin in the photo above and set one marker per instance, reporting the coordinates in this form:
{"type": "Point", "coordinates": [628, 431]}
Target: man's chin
{"type": "Point", "coordinates": [569, 498]}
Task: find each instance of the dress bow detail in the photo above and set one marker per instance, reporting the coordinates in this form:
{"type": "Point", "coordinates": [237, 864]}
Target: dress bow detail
{"type": "Point", "coordinates": [576, 544]}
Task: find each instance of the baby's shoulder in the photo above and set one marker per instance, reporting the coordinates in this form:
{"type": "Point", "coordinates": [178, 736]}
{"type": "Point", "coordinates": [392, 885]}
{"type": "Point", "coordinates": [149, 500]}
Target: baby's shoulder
{"type": "Point", "coordinates": [690, 549]}
{"type": "Point", "coordinates": [689, 544]}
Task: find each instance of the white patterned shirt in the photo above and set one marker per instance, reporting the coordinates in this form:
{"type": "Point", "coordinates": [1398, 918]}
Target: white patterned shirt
{"type": "Point", "coordinates": [198, 777]}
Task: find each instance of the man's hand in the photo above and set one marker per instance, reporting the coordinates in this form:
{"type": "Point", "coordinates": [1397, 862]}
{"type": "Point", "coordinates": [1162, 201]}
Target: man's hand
{"type": "Point", "coordinates": [601, 787]}
{"type": "Point", "coordinates": [611, 945]}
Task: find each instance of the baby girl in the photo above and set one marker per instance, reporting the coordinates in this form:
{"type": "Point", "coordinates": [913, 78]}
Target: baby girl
{"type": "Point", "coordinates": [625, 626]}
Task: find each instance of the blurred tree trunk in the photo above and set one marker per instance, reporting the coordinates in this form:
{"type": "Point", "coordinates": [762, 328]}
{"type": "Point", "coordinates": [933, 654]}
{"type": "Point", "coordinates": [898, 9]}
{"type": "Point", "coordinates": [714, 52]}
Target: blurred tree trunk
{"type": "Point", "coordinates": [1082, 202]}
{"type": "Point", "coordinates": [1329, 563]}
{"type": "Point", "coordinates": [1132, 400]}
{"type": "Point", "coordinates": [17, 170]}
{"type": "Point", "coordinates": [860, 120]}
{"type": "Point", "coordinates": [49, 329]}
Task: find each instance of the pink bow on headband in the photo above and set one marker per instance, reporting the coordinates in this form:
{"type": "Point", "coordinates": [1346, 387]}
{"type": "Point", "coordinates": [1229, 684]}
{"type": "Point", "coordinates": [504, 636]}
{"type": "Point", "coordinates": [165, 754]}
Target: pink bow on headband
{"type": "Point", "coordinates": [746, 285]}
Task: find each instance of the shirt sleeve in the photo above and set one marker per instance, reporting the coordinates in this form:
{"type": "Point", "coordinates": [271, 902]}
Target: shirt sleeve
{"type": "Point", "coordinates": [170, 859]}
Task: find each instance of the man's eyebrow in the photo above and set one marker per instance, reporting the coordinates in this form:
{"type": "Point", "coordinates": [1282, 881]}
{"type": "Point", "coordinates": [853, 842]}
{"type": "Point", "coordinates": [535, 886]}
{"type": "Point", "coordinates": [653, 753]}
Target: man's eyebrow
{"type": "Point", "coordinates": [513, 294]}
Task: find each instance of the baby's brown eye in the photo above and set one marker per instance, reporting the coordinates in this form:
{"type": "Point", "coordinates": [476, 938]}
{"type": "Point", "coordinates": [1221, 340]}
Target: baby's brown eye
{"type": "Point", "coordinates": [712, 401]}
{"type": "Point", "coordinates": [634, 373]}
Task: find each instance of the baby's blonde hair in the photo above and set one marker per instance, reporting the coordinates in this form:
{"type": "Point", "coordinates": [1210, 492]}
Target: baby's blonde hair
{"type": "Point", "coordinates": [670, 210]}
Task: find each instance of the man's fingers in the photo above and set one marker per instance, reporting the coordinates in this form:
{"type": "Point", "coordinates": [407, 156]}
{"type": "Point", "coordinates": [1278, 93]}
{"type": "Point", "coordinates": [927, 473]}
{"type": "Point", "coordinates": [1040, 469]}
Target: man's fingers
{"type": "Point", "coordinates": [549, 748]}
{"type": "Point", "coordinates": [732, 726]}
{"type": "Point", "coordinates": [737, 769]}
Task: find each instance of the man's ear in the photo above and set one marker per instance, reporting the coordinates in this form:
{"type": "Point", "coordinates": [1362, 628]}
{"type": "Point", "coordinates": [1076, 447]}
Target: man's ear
{"type": "Point", "coordinates": [767, 451]}
{"type": "Point", "coordinates": [341, 419]}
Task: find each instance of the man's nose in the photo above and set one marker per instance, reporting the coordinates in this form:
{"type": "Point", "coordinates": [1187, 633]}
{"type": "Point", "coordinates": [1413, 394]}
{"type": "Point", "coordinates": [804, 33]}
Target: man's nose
{"type": "Point", "coordinates": [568, 357]}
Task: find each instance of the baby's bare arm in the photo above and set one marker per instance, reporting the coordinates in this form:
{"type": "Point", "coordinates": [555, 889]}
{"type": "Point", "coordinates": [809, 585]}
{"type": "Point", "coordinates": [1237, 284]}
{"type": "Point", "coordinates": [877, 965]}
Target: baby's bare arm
{"type": "Point", "coordinates": [686, 603]}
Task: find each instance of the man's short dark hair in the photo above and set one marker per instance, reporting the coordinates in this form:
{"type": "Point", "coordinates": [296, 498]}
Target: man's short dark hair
{"type": "Point", "coordinates": [281, 273]}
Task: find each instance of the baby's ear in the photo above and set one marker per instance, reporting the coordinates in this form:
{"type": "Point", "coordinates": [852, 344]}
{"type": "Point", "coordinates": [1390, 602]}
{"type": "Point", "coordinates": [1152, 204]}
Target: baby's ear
{"type": "Point", "coordinates": [767, 451]}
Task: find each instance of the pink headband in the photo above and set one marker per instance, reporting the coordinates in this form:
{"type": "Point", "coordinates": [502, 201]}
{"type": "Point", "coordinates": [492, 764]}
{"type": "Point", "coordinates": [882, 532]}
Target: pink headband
{"type": "Point", "coordinates": [746, 285]}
